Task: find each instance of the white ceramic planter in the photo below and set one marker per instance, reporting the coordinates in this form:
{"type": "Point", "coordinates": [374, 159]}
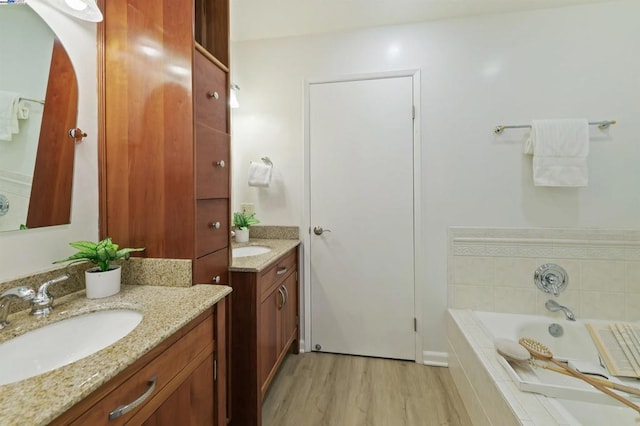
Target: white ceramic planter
{"type": "Point", "coordinates": [102, 284]}
{"type": "Point", "coordinates": [242, 235]}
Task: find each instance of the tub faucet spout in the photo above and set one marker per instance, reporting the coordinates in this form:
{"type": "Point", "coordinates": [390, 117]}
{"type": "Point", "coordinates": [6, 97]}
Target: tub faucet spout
{"type": "Point", "coordinates": [554, 306]}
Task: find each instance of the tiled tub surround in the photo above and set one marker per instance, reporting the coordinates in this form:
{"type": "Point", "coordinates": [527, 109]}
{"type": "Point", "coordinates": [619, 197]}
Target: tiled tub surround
{"type": "Point", "coordinates": [489, 394]}
{"type": "Point", "coordinates": [492, 270]}
{"type": "Point", "coordinates": [158, 288]}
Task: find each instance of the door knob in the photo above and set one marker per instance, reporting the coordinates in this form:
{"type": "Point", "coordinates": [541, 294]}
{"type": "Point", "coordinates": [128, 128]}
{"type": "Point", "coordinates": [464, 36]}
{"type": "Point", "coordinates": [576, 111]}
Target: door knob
{"type": "Point", "coordinates": [319, 231]}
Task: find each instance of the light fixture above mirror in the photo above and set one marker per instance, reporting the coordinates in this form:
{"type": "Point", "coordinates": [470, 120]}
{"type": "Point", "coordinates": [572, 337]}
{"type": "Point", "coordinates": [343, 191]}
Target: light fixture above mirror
{"type": "Point", "coordinates": [87, 10]}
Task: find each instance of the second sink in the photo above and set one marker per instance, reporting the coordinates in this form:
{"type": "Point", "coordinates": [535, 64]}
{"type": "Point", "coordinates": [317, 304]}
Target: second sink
{"type": "Point", "coordinates": [61, 343]}
{"type": "Point", "coordinates": [250, 251]}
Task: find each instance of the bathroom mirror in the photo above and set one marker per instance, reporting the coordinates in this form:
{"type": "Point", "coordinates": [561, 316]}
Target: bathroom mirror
{"type": "Point", "coordinates": [36, 162]}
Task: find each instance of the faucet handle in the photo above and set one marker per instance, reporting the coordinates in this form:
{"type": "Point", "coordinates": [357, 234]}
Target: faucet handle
{"type": "Point", "coordinates": [24, 293]}
{"type": "Point", "coordinates": [43, 302]}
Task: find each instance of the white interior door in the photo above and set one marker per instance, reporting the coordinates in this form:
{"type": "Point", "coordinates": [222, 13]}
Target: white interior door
{"type": "Point", "coordinates": [361, 194]}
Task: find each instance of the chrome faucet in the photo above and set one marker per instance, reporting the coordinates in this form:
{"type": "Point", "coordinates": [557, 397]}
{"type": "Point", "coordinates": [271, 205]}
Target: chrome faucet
{"type": "Point", "coordinates": [554, 306]}
{"type": "Point", "coordinates": [42, 304]}
{"type": "Point", "coordinates": [24, 293]}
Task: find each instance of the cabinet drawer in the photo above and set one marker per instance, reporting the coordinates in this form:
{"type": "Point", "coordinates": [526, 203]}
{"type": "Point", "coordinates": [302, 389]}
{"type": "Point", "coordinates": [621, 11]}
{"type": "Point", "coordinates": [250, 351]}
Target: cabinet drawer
{"type": "Point", "coordinates": [278, 271]}
{"type": "Point", "coordinates": [212, 226]}
{"type": "Point", "coordinates": [164, 368]}
{"type": "Point", "coordinates": [210, 93]}
{"type": "Point", "coordinates": [207, 269]}
{"type": "Point", "coordinates": [212, 163]}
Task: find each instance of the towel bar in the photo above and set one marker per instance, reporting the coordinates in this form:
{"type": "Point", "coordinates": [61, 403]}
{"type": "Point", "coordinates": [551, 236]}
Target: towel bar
{"type": "Point", "coordinates": [602, 125]}
{"type": "Point", "coordinates": [32, 100]}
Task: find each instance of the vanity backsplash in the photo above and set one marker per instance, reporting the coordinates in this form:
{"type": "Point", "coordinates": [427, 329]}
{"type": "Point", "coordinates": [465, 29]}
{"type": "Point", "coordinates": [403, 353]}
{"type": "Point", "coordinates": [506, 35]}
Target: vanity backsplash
{"type": "Point", "coordinates": [274, 232]}
{"type": "Point", "coordinates": [135, 271]}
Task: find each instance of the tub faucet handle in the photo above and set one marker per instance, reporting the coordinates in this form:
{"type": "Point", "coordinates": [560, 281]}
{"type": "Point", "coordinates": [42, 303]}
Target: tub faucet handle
{"type": "Point", "coordinates": [551, 278]}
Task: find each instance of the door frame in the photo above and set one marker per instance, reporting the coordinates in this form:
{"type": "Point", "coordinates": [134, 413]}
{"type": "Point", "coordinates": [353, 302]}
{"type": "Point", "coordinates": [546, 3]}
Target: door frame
{"type": "Point", "coordinates": [419, 272]}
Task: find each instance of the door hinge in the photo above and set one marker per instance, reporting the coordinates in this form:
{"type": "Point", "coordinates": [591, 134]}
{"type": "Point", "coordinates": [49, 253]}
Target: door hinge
{"type": "Point", "coordinates": [415, 324]}
{"type": "Point", "coordinates": [215, 370]}
{"type": "Point", "coordinates": [413, 112]}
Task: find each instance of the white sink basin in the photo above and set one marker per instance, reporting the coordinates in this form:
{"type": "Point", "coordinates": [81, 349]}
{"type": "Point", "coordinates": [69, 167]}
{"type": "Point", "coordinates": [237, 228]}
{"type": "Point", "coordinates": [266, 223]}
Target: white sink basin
{"type": "Point", "coordinates": [61, 343]}
{"type": "Point", "coordinates": [249, 251]}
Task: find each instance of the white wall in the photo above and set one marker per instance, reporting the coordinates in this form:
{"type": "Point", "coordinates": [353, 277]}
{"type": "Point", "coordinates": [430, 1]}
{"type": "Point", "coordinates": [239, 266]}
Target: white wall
{"type": "Point", "coordinates": [478, 72]}
{"type": "Point", "coordinates": [26, 252]}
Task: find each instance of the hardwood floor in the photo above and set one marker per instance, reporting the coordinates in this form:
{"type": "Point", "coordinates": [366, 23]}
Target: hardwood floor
{"type": "Point", "coordinates": [327, 389]}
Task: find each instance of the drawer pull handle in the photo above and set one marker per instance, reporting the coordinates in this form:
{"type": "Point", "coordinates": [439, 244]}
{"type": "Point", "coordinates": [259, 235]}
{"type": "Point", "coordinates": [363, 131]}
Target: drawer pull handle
{"type": "Point", "coordinates": [220, 164]}
{"type": "Point", "coordinates": [216, 279]}
{"type": "Point", "coordinates": [213, 95]}
{"type": "Point", "coordinates": [124, 409]}
{"type": "Point", "coordinates": [215, 225]}
{"type": "Point", "coordinates": [282, 270]}
{"type": "Point", "coordinates": [286, 294]}
{"type": "Point", "coordinates": [282, 301]}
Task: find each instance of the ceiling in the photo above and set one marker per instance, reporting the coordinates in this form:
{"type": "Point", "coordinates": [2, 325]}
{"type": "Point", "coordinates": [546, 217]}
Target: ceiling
{"type": "Point", "coordinates": [260, 19]}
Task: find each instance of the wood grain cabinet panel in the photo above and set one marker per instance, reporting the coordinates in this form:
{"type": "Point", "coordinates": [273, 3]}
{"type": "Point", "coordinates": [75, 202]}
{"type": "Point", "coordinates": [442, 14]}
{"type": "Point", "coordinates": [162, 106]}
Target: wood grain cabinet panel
{"type": "Point", "coordinates": [212, 226]}
{"type": "Point", "coordinates": [210, 93]}
{"type": "Point", "coordinates": [212, 269]}
{"type": "Point", "coordinates": [264, 324]}
{"type": "Point", "coordinates": [212, 163]}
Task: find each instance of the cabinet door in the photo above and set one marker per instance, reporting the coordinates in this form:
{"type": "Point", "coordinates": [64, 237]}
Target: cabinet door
{"type": "Point", "coordinates": [210, 93]}
{"type": "Point", "coordinates": [289, 313]}
{"type": "Point", "coordinates": [192, 403]}
{"type": "Point", "coordinates": [212, 226]}
{"type": "Point", "coordinates": [212, 163]}
{"type": "Point", "coordinates": [269, 334]}
{"type": "Point", "coordinates": [212, 268]}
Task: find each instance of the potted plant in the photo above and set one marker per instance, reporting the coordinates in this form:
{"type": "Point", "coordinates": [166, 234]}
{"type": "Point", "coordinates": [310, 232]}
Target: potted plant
{"type": "Point", "coordinates": [242, 221]}
{"type": "Point", "coordinates": [104, 279]}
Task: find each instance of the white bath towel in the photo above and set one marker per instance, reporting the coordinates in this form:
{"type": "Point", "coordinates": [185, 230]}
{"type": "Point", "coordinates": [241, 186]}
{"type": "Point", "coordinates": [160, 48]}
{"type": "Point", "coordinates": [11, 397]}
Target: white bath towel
{"type": "Point", "coordinates": [560, 149]}
{"type": "Point", "coordinates": [259, 174]}
{"type": "Point", "coordinates": [9, 109]}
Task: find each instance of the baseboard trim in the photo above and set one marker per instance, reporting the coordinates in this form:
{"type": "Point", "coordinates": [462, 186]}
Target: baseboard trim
{"type": "Point", "coordinates": [436, 359]}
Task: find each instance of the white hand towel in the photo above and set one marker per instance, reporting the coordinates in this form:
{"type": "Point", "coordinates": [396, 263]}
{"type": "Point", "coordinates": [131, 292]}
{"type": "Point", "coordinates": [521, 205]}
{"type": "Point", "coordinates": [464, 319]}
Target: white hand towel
{"type": "Point", "coordinates": [259, 174]}
{"type": "Point", "coordinates": [560, 149]}
{"type": "Point", "coordinates": [9, 108]}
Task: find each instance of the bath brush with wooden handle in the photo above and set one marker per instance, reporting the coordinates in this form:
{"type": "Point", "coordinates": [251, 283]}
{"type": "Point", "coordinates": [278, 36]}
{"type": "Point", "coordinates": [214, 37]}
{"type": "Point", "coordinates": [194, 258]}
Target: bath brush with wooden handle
{"type": "Point", "coordinates": [540, 351]}
{"type": "Point", "coordinates": [515, 352]}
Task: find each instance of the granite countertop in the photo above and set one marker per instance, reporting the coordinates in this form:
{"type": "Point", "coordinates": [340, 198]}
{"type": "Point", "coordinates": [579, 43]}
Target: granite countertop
{"type": "Point", "coordinates": [260, 262]}
{"type": "Point", "coordinates": [39, 400]}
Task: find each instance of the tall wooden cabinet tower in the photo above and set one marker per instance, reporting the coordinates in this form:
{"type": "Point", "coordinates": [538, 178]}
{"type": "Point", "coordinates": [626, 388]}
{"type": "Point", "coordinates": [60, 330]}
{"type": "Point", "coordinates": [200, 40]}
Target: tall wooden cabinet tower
{"type": "Point", "coordinates": [164, 131]}
{"type": "Point", "coordinates": [164, 154]}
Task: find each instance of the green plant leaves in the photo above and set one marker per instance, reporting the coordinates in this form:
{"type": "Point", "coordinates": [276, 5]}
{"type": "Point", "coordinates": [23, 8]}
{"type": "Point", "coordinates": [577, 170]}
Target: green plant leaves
{"type": "Point", "coordinates": [100, 253]}
{"type": "Point", "coordinates": [244, 221]}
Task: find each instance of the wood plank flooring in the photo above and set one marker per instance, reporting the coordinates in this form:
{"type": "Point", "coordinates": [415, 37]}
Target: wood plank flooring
{"type": "Point", "coordinates": [320, 389]}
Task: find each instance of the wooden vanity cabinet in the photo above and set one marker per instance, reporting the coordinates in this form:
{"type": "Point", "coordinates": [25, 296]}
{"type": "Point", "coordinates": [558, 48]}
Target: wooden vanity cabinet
{"type": "Point", "coordinates": [264, 324]}
{"type": "Point", "coordinates": [165, 131]}
{"type": "Point", "coordinates": [183, 379]}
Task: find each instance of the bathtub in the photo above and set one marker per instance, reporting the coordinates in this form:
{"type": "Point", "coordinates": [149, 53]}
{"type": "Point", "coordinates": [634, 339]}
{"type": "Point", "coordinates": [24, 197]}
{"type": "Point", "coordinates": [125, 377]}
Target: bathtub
{"type": "Point", "coordinates": [497, 392]}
